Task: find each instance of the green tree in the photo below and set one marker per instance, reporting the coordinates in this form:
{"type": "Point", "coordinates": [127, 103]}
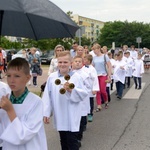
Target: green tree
{"type": "Point", "coordinates": [124, 33]}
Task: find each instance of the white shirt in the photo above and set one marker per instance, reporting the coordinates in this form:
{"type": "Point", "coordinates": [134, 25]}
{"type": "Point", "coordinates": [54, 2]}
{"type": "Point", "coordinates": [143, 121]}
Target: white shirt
{"type": "Point", "coordinates": [119, 74]}
{"type": "Point", "coordinates": [66, 108]}
{"type": "Point", "coordinates": [92, 53]}
{"type": "Point", "coordinates": [138, 68]}
{"type": "Point", "coordinates": [87, 86]}
{"type": "Point", "coordinates": [93, 79]}
{"type": "Point", "coordinates": [4, 90]}
{"type": "Point", "coordinates": [53, 66]}
{"type": "Point", "coordinates": [112, 61]}
{"type": "Point", "coordinates": [26, 131]}
{"type": "Point", "coordinates": [129, 62]}
{"type": "Point", "coordinates": [37, 52]}
{"type": "Point", "coordinates": [133, 54]}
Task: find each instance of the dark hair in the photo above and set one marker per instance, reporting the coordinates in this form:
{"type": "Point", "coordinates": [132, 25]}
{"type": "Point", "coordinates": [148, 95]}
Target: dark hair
{"type": "Point", "coordinates": [19, 64]}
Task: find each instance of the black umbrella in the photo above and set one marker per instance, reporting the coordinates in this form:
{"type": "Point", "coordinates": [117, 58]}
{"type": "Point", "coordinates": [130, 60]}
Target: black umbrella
{"type": "Point", "coordinates": [35, 19]}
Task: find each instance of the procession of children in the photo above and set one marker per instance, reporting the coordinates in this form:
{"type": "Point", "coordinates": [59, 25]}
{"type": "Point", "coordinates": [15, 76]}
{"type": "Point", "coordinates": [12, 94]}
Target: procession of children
{"type": "Point", "coordinates": [77, 88]}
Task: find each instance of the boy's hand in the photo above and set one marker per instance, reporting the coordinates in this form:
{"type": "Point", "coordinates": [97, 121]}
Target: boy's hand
{"type": "Point", "coordinates": [66, 87]}
{"type": "Point", "coordinates": [46, 120]}
{"type": "Point", "coordinates": [94, 92]}
{"type": "Point", "coordinates": [6, 104]}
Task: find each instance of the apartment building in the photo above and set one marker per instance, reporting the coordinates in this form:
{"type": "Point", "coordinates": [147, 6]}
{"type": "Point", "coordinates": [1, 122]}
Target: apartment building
{"type": "Point", "coordinates": [90, 28]}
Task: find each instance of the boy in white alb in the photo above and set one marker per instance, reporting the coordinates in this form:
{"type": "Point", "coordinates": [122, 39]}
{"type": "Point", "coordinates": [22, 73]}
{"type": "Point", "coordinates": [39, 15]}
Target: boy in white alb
{"type": "Point", "coordinates": [112, 61]}
{"type": "Point", "coordinates": [66, 108]}
{"type": "Point", "coordinates": [129, 62]}
{"type": "Point", "coordinates": [21, 113]}
{"type": "Point", "coordinates": [133, 53]}
{"type": "Point", "coordinates": [91, 71]}
{"type": "Point", "coordinates": [119, 74]}
{"type": "Point", "coordinates": [138, 70]}
{"type": "Point", "coordinates": [77, 67]}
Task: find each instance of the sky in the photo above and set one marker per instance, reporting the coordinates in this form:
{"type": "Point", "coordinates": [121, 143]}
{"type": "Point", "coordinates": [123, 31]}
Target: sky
{"type": "Point", "coordinates": [108, 10]}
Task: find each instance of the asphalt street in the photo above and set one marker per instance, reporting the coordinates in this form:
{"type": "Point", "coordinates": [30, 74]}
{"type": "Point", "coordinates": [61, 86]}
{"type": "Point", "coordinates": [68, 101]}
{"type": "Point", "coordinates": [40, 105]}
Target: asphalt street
{"type": "Point", "coordinates": [125, 125]}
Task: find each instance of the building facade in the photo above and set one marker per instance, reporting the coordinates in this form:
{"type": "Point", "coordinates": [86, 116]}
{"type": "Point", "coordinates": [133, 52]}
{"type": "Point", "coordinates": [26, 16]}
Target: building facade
{"type": "Point", "coordinates": [90, 28]}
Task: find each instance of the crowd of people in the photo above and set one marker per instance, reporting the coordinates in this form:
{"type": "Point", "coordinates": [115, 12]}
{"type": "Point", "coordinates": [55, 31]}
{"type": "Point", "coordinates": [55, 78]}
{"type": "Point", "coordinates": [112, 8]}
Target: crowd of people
{"type": "Point", "coordinates": [75, 79]}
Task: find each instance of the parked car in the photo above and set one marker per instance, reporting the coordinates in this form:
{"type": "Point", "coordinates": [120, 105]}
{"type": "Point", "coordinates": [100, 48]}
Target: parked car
{"type": "Point", "coordinates": [19, 53]}
{"type": "Point", "coordinates": [14, 51]}
{"type": "Point", "coordinates": [47, 57]}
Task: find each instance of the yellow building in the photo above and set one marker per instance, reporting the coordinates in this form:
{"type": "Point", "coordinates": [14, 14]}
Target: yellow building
{"type": "Point", "coordinates": [90, 28]}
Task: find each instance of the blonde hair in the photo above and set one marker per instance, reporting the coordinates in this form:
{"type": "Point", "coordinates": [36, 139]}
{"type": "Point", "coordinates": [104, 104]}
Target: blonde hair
{"type": "Point", "coordinates": [96, 45]}
{"type": "Point", "coordinates": [65, 53]}
{"type": "Point", "coordinates": [89, 57]}
{"type": "Point", "coordinates": [56, 47]}
{"type": "Point", "coordinates": [82, 49]}
{"type": "Point", "coordinates": [33, 48]}
{"type": "Point", "coordinates": [77, 57]}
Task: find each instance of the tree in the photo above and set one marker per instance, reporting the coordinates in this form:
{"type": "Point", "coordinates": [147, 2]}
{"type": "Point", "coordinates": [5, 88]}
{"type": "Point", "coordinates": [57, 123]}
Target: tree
{"type": "Point", "coordinates": [69, 13]}
{"type": "Point", "coordinates": [124, 33]}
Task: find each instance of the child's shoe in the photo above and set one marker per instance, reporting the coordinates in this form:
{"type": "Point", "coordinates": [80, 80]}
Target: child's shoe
{"type": "Point", "coordinates": [90, 118]}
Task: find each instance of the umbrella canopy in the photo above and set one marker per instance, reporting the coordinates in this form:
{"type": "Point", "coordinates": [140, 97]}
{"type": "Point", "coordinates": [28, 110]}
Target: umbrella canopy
{"type": "Point", "coordinates": [35, 19]}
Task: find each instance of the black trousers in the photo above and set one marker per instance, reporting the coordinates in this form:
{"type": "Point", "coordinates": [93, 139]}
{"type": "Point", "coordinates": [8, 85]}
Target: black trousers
{"type": "Point", "coordinates": [127, 81]}
{"type": "Point", "coordinates": [108, 94]}
{"type": "Point", "coordinates": [0, 148]}
{"type": "Point", "coordinates": [83, 124]}
{"type": "Point", "coordinates": [137, 81]}
{"type": "Point", "coordinates": [111, 84]}
{"type": "Point", "coordinates": [91, 105]}
{"type": "Point", "coordinates": [69, 140]}
{"type": "Point", "coordinates": [35, 80]}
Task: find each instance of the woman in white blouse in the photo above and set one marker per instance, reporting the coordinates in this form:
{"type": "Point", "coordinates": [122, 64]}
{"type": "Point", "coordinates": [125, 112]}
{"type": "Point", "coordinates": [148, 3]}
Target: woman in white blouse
{"type": "Point", "coordinates": [54, 64]}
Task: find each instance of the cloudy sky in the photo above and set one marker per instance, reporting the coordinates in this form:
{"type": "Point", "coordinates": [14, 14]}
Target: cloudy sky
{"type": "Point", "coordinates": [108, 10]}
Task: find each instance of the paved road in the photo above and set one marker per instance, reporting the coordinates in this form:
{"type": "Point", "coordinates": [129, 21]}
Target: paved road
{"type": "Point", "coordinates": [124, 126]}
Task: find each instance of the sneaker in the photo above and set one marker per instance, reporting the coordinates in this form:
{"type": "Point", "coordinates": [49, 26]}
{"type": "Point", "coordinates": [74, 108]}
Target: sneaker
{"type": "Point", "coordinates": [119, 97]}
{"type": "Point", "coordinates": [90, 118]}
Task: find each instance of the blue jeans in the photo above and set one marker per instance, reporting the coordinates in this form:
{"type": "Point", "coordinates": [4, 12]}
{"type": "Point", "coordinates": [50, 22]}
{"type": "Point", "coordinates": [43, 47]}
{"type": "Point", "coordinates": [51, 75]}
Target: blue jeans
{"type": "Point", "coordinates": [119, 88]}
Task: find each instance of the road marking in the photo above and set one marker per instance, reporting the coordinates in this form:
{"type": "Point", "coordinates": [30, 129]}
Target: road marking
{"type": "Point", "coordinates": [133, 93]}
